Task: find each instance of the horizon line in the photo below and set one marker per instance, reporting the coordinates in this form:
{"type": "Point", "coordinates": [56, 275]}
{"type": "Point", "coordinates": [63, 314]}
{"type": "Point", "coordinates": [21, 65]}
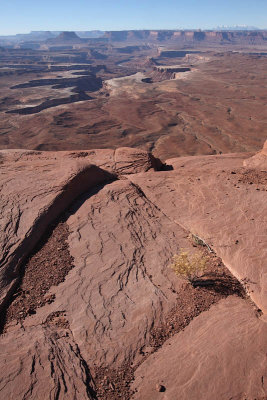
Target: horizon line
{"type": "Point", "coordinates": [219, 28]}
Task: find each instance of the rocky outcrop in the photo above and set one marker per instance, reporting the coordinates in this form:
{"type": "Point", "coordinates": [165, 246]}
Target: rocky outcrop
{"type": "Point", "coordinates": [44, 362]}
{"type": "Point", "coordinates": [219, 345]}
{"type": "Point", "coordinates": [65, 37]}
{"type": "Point", "coordinates": [120, 313]}
{"type": "Point", "coordinates": [37, 187]}
{"type": "Point", "coordinates": [205, 195]}
{"type": "Point", "coordinates": [162, 72]}
{"type": "Point", "coordinates": [134, 161]}
{"type": "Point", "coordinates": [171, 68]}
{"type": "Point", "coordinates": [259, 160]}
{"type": "Point", "coordinates": [30, 202]}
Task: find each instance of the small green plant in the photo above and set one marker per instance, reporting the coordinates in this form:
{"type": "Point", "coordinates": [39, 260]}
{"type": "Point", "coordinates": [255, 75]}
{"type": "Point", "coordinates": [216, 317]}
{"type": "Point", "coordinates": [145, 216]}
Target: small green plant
{"type": "Point", "coordinates": [189, 266]}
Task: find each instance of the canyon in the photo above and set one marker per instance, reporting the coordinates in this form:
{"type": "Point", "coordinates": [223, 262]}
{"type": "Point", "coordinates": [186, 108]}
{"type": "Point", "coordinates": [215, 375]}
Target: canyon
{"type": "Point", "coordinates": [188, 102]}
{"type": "Point", "coordinates": [118, 152]}
{"type": "Point", "coordinates": [187, 36]}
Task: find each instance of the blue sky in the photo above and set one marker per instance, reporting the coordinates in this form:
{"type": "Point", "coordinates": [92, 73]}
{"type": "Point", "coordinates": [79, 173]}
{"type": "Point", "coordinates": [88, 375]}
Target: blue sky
{"type": "Point", "coordinates": [21, 16]}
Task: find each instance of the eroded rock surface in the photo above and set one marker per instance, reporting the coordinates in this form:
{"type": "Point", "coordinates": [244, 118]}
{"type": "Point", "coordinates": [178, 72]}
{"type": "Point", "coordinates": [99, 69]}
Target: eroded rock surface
{"type": "Point", "coordinates": [44, 362]}
{"type": "Point", "coordinates": [106, 318]}
{"type": "Point", "coordinates": [37, 187]}
{"type": "Point", "coordinates": [215, 357]}
{"type": "Point", "coordinates": [210, 197]}
{"type": "Point", "coordinates": [259, 160]}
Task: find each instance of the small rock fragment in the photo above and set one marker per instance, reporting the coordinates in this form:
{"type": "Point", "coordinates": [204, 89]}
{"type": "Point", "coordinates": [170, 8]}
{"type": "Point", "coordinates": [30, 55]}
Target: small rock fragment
{"type": "Point", "coordinates": [160, 388]}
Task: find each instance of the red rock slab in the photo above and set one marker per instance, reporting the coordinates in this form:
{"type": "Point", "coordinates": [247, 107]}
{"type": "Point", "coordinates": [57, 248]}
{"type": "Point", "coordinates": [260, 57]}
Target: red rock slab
{"type": "Point", "coordinates": [121, 286]}
{"type": "Point", "coordinates": [206, 196]}
{"type": "Point", "coordinates": [43, 362]}
{"type": "Point", "coordinates": [119, 290]}
{"type": "Point", "coordinates": [36, 187]}
{"type": "Point", "coordinates": [122, 161]}
{"type": "Point", "coordinates": [220, 355]}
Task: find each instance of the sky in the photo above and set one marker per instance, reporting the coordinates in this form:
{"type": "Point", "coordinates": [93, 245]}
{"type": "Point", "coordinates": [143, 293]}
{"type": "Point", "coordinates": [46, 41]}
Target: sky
{"type": "Point", "coordinates": [23, 16]}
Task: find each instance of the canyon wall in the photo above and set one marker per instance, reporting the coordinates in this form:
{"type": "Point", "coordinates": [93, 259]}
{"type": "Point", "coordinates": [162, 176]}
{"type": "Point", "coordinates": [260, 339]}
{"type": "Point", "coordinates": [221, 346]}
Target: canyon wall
{"type": "Point", "coordinates": [230, 37]}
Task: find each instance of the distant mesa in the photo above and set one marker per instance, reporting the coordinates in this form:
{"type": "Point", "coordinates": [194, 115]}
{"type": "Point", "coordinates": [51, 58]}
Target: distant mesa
{"type": "Point", "coordinates": [66, 37]}
{"type": "Point", "coordinates": [135, 38]}
{"type": "Point", "coordinates": [184, 37]}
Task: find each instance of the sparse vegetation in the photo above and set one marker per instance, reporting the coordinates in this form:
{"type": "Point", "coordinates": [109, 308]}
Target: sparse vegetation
{"type": "Point", "coordinates": [189, 266]}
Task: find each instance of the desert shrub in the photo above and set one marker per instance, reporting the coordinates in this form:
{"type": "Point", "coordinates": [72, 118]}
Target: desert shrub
{"type": "Point", "coordinates": [189, 266]}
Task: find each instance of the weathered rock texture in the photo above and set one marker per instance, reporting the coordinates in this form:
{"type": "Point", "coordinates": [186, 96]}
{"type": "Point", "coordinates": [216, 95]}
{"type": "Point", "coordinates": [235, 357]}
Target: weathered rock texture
{"type": "Point", "coordinates": [43, 362]}
{"type": "Point", "coordinates": [209, 197]}
{"type": "Point", "coordinates": [125, 222]}
{"type": "Point", "coordinates": [215, 357]}
{"type": "Point", "coordinates": [258, 161]}
{"type": "Point", "coordinates": [123, 244]}
{"type": "Point", "coordinates": [37, 187]}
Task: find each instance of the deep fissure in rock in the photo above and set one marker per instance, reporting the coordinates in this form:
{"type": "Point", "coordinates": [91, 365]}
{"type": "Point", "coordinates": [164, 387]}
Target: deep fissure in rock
{"type": "Point", "coordinates": [47, 265]}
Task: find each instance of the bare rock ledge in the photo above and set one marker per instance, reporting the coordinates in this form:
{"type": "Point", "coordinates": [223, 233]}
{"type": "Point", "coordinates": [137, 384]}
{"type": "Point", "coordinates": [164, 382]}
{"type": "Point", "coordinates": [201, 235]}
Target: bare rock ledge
{"type": "Point", "coordinates": [125, 219]}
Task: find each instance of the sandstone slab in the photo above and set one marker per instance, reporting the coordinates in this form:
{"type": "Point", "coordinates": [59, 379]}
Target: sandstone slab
{"type": "Point", "coordinates": [122, 236]}
{"type": "Point", "coordinates": [121, 286]}
{"type": "Point", "coordinates": [36, 187]}
{"type": "Point", "coordinates": [43, 362]}
{"type": "Point", "coordinates": [220, 355]}
{"type": "Point", "coordinates": [209, 197]}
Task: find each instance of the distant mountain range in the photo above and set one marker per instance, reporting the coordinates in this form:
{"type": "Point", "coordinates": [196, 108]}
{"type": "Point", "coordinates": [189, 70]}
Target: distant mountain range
{"type": "Point", "coordinates": [237, 28]}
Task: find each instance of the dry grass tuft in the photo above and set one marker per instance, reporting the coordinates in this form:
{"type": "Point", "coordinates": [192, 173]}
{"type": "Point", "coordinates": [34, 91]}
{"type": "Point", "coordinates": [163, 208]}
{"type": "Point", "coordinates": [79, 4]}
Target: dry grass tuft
{"type": "Point", "coordinates": [189, 266]}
